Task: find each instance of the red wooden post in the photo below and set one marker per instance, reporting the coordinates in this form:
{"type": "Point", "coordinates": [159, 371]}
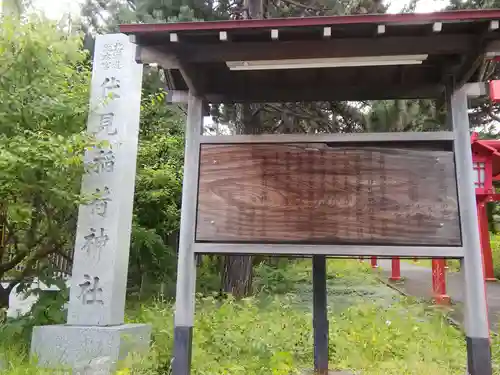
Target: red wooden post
{"type": "Point", "coordinates": [396, 269]}
{"type": "Point", "coordinates": [439, 282]}
{"type": "Point", "coordinates": [484, 235]}
{"type": "Point", "coordinates": [374, 262]}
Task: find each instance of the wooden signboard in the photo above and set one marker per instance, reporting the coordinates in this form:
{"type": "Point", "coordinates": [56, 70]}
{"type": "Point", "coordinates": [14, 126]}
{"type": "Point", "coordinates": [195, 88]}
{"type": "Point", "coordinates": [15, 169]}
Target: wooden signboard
{"type": "Point", "coordinates": [318, 193]}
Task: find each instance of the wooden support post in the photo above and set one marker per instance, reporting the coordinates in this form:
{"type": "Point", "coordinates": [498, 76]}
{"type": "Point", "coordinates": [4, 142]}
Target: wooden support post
{"type": "Point", "coordinates": [396, 269]}
{"type": "Point", "coordinates": [439, 282]}
{"type": "Point", "coordinates": [186, 264]}
{"type": "Point", "coordinates": [374, 262]}
{"type": "Point", "coordinates": [484, 236]}
{"type": "Point", "coordinates": [320, 317]}
{"type": "Point", "coordinates": [475, 306]}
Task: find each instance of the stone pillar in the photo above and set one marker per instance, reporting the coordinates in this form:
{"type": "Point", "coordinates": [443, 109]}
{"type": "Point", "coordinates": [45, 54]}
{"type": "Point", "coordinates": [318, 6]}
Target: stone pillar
{"type": "Point", "coordinates": [95, 326]}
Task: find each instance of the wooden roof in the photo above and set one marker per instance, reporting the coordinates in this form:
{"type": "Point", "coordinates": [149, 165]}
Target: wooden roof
{"type": "Point", "coordinates": [195, 55]}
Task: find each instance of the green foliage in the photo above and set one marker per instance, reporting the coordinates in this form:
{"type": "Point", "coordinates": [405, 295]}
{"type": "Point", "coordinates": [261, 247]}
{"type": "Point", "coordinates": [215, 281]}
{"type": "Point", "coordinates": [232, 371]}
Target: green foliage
{"type": "Point", "coordinates": [150, 11]}
{"type": "Point", "coordinates": [474, 4]}
{"type": "Point", "coordinates": [208, 281]}
{"type": "Point", "coordinates": [157, 192]}
{"type": "Point", "coordinates": [278, 278]}
{"type": "Point", "coordinates": [43, 107]}
{"type": "Point", "coordinates": [495, 250]}
{"type": "Point", "coordinates": [252, 337]}
{"type": "Point", "coordinates": [43, 78]}
{"type": "Point", "coordinates": [151, 261]}
{"type": "Point", "coordinates": [257, 337]}
{"type": "Point", "coordinates": [43, 110]}
{"type": "Point", "coordinates": [49, 308]}
{"type": "Point", "coordinates": [46, 311]}
{"type": "Point", "coordinates": [405, 115]}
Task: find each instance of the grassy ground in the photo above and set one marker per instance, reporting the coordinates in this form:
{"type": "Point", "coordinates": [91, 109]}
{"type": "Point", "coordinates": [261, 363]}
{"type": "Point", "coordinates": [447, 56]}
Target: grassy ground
{"type": "Point", "coordinates": [372, 330]}
{"type": "Point", "coordinates": [495, 250]}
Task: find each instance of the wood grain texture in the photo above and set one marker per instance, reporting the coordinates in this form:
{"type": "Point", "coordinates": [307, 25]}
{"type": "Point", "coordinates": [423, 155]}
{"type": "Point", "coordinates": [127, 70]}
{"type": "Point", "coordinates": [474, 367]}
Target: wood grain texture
{"type": "Point", "coordinates": [316, 193]}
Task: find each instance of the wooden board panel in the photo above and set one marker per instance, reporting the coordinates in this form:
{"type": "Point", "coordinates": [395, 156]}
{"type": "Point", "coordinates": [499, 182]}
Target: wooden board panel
{"type": "Point", "coordinates": [318, 193]}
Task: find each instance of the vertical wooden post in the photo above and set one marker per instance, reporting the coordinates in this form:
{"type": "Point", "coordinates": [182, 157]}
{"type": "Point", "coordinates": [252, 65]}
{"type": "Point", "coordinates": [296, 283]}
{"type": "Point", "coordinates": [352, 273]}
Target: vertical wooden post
{"type": "Point", "coordinates": [320, 317]}
{"type": "Point", "coordinates": [484, 236]}
{"type": "Point", "coordinates": [396, 269]}
{"type": "Point", "coordinates": [374, 262]}
{"type": "Point", "coordinates": [475, 306]}
{"type": "Point", "coordinates": [186, 264]}
{"type": "Point", "coordinates": [439, 282]}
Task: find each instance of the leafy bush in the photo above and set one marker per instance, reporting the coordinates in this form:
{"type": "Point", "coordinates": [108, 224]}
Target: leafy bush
{"type": "Point", "coordinates": [246, 338]}
{"type": "Point", "coordinates": [48, 309]}
{"type": "Point", "coordinates": [277, 279]}
{"type": "Point", "coordinates": [44, 82]}
{"type": "Point", "coordinates": [274, 335]}
{"type": "Point", "coordinates": [495, 250]}
{"type": "Point", "coordinates": [208, 280]}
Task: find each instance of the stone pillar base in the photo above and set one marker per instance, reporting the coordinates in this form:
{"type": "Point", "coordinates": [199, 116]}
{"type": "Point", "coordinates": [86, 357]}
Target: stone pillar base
{"type": "Point", "coordinates": [442, 299]}
{"type": "Point", "coordinates": [82, 348]}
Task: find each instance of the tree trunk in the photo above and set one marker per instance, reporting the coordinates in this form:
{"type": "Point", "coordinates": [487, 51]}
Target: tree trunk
{"type": "Point", "coordinates": [237, 271]}
{"type": "Point", "coordinates": [237, 275]}
{"type": "Point", "coordinates": [4, 297]}
{"type": "Point", "coordinates": [400, 106]}
{"type": "Point", "coordinates": [142, 287]}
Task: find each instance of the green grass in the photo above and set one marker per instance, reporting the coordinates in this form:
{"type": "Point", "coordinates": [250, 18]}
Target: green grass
{"type": "Point", "coordinates": [373, 333]}
{"type": "Point", "coordinates": [495, 250]}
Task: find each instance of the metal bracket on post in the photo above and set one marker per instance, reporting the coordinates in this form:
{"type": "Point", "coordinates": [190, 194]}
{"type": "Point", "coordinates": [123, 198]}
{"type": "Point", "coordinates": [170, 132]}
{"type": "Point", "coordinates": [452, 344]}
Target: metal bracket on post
{"type": "Point", "coordinates": [320, 315]}
{"type": "Point", "coordinates": [476, 320]}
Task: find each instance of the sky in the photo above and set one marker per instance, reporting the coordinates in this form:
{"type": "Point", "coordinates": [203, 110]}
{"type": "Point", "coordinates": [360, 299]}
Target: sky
{"type": "Point", "coordinates": [57, 8]}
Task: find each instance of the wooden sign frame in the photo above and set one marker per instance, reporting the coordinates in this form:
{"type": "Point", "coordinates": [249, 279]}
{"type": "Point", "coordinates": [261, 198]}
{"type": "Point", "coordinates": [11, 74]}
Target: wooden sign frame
{"type": "Point", "coordinates": [476, 322]}
{"type": "Point", "coordinates": [428, 141]}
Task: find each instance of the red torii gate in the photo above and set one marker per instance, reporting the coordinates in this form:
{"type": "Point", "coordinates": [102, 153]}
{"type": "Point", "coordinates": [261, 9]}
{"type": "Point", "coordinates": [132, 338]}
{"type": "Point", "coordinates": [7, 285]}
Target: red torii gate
{"type": "Point", "coordinates": [486, 164]}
